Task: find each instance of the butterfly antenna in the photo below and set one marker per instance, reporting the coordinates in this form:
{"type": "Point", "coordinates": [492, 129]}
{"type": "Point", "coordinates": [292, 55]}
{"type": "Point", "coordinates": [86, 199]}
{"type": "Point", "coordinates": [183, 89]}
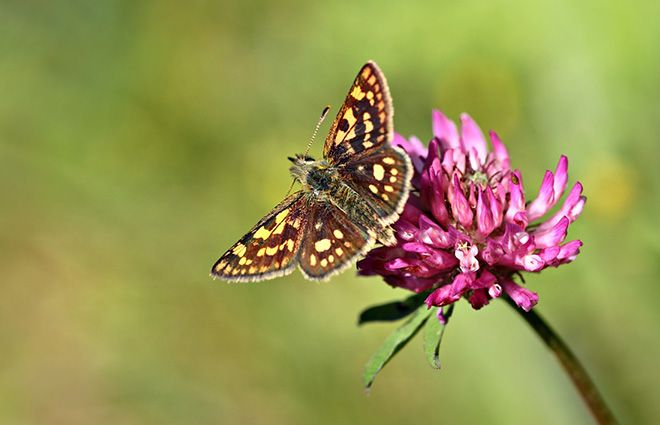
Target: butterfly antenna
{"type": "Point", "coordinates": [316, 129]}
{"type": "Point", "coordinates": [324, 113]}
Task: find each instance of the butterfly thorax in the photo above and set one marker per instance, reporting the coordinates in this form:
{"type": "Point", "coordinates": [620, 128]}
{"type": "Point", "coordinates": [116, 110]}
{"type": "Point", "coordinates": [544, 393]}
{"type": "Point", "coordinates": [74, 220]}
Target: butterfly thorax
{"type": "Point", "coordinates": [315, 176]}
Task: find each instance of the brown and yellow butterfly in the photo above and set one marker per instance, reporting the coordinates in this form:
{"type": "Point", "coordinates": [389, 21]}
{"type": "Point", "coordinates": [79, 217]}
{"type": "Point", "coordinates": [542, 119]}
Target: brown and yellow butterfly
{"type": "Point", "coordinates": [347, 200]}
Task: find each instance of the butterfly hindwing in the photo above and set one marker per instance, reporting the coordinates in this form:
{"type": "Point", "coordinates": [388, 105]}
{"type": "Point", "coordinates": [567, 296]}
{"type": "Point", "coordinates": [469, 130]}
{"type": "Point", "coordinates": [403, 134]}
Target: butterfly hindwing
{"type": "Point", "coordinates": [364, 122]}
{"type": "Point", "coordinates": [268, 250]}
{"type": "Point", "coordinates": [332, 242]}
{"type": "Point", "coordinates": [382, 178]}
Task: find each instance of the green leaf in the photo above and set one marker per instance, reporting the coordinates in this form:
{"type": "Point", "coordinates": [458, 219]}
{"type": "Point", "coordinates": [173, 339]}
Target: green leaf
{"type": "Point", "coordinates": [433, 336]}
{"type": "Point", "coordinates": [393, 343]}
{"type": "Point", "coordinates": [392, 311]}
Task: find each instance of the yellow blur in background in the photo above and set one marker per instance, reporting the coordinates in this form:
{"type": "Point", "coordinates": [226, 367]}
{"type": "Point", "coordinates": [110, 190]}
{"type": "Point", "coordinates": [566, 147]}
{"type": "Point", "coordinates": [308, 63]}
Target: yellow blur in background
{"type": "Point", "coordinates": [140, 139]}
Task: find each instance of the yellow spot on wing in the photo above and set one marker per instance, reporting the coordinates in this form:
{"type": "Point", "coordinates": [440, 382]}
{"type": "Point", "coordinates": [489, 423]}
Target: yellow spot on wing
{"type": "Point", "coordinates": [281, 216]}
{"type": "Point", "coordinates": [312, 259]}
{"type": "Point", "coordinates": [242, 261]}
{"type": "Point", "coordinates": [339, 252]}
{"type": "Point", "coordinates": [379, 172]}
{"type": "Point", "coordinates": [388, 188]}
{"type": "Point", "coordinates": [279, 219]}
{"type": "Point", "coordinates": [271, 250]}
{"type": "Point", "coordinates": [373, 188]}
{"type": "Point", "coordinates": [289, 244]}
{"type": "Point", "coordinates": [322, 245]}
{"type": "Point", "coordinates": [349, 116]}
{"type": "Point", "coordinates": [389, 160]}
{"type": "Point", "coordinates": [324, 262]}
{"type": "Point", "coordinates": [357, 93]}
{"type": "Point", "coordinates": [280, 228]}
{"type": "Point", "coordinates": [392, 179]}
{"type": "Point", "coordinates": [239, 249]}
{"type": "Point", "coordinates": [262, 233]}
{"type": "Point", "coordinates": [338, 234]}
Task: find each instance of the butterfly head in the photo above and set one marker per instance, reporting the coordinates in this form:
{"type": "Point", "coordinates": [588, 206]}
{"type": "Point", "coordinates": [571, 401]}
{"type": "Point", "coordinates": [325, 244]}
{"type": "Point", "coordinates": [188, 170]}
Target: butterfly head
{"type": "Point", "coordinates": [314, 175]}
{"type": "Point", "coordinates": [302, 165]}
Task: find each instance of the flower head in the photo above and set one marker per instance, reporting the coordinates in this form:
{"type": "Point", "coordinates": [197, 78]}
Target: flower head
{"type": "Point", "coordinates": [467, 229]}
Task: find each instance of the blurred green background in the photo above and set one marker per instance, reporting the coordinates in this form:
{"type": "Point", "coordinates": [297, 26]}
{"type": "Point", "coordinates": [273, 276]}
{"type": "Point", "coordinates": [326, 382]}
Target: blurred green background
{"type": "Point", "coordinates": [139, 139]}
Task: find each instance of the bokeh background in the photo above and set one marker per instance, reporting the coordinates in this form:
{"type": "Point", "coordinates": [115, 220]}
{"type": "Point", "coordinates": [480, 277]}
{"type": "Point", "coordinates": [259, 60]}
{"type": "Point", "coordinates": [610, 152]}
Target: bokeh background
{"type": "Point", "coordinates": [139, 139]}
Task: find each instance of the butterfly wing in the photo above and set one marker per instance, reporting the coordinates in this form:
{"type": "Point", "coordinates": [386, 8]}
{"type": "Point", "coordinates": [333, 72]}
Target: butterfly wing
{"type": "Point", "coordinates": [382, 179]}
{"type": "Point", "coordinates": [268, 250]}
{"type": "Point", "coordinates": [332, 242]}
{"type": "Point", "coordinates": [364, 122]}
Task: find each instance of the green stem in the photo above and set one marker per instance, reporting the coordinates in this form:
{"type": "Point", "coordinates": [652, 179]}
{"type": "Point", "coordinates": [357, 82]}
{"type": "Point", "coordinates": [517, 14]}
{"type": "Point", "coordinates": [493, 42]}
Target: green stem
{"type": "Point", "coordinates": [571, 365]}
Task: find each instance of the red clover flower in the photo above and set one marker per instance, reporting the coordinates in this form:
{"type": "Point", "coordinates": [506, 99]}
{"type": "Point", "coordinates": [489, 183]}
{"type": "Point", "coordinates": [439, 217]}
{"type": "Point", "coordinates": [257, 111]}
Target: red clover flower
{"type": "Point", "coordinates": [467, 228]}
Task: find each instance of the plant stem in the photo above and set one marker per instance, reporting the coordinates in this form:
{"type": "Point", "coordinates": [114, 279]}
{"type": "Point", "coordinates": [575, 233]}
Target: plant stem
{"type": "Point", "coordinates": [571, 365]}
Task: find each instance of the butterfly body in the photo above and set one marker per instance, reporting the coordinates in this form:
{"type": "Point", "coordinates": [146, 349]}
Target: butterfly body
{"type": "Point", "coordinates": [324, 182]}
{"type": "Point", "coordinates": [346, 202]}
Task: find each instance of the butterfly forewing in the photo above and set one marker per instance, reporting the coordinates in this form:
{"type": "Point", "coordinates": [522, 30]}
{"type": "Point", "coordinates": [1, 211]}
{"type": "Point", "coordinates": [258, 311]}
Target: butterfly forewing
{"type": "Point", "coordinates": [332, 242]}
{"type": "Point", "coordinates": [268, 250]}
{"type": "Point", "coordinates": [383, 179]}
{"type": "Point", "coordinates": [364, 122]}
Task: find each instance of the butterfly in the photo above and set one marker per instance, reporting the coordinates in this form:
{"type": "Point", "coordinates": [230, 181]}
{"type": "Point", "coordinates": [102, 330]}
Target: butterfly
{"type": "Point", "coordinates": [347, 200]}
